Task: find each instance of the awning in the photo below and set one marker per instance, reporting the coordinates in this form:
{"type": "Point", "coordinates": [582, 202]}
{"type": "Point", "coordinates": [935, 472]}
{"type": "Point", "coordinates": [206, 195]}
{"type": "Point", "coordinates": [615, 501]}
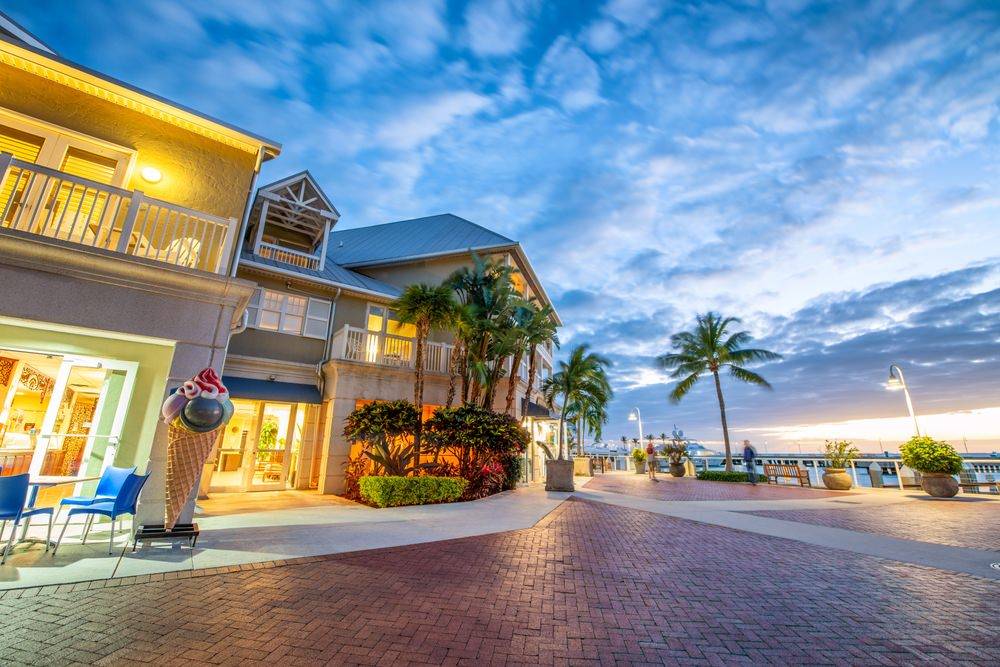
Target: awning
{"type": "Point", "coordinates": [535, 410]}
{"type": "Point", "coordinates": [268, 390]}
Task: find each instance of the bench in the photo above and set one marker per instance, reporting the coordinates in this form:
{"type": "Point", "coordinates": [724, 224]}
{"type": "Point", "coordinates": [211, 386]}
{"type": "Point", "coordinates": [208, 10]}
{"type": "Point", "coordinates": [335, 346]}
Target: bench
{"type": "Point", "coordinates": [780, 471]}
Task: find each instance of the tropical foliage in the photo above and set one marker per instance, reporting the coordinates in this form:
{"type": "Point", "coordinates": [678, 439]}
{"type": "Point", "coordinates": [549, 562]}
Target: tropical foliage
{"type": "Point", "coordinates": [581, 383]}
{"type": "Point", "coordinates": [925, 454]}
{"type": "Point", "coordinates": [385, 430]}
{"type": "Point", "coordinates": [839, 453]}
{"type": "Point", "coordinates": [386, 491]}
{"type": "Point", "coordinates": [708, 349]}
{"type": "Point", "coordinates": [638, 456]}
{"type": "Point", "coordinates": [722, 476]}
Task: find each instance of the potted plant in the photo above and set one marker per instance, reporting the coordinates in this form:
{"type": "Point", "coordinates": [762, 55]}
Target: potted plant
{"type": "Point", "coordinates": [838, 454]}
{"type": "Point", "coordinates": [675, 451]}
{"type": "Point", "coordinates": [936, 461]}
{"type": "Point", "coordinates": [639, 459]}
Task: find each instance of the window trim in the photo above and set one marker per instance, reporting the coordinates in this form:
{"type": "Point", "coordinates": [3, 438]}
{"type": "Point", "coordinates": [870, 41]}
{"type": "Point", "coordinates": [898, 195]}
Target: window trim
{"type": "Point", "coordinates": [256, 307]}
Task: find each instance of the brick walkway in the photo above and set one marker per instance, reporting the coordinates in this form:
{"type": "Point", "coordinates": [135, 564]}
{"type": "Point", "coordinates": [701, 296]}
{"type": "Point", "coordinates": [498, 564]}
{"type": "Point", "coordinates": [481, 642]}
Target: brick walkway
{"type": "Point", "coordinates": [688, 488]}
{"type": "Point", "coordinates": [961, 522]}
{"type": "Point", "coordinates": [590, 584]}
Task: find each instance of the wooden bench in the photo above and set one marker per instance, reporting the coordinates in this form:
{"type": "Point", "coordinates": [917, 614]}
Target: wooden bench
{"type": "Point", "coordinates": [780, 471]}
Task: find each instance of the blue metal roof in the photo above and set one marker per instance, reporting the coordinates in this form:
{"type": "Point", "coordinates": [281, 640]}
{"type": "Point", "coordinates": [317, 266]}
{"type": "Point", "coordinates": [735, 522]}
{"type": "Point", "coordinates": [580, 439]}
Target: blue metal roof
{"type": "Point", "coordinates": [331, 272]}
{"type": "Point", "coordinates": [266, 390]}
{"type": "Point", "coordinates": [419, 237]}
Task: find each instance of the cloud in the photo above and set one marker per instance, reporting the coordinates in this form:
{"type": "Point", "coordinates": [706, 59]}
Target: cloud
{"type": "Point", "coordinates": [421, 121]}
{"type": "Point", "coordinates": [498, 27]}
{"type": "Point", "coordinates": [569, 75]}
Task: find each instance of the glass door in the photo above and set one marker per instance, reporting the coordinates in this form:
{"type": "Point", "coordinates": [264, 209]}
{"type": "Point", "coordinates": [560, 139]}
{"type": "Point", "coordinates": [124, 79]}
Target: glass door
{"type": "Point", "coordinates": [84, 418]}
{"type": "Point", "coordinates": [269, 461]}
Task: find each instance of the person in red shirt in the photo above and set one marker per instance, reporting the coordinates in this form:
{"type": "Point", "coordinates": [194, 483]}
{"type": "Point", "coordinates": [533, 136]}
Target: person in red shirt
{"type": "Point", "coordinates": [651, 459]}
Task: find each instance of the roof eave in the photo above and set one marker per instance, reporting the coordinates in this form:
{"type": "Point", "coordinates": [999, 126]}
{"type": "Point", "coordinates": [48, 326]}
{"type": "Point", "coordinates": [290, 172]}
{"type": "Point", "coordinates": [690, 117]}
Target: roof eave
{"type": "Point", "coordinates": [264, 268]}
{"type": "Point", "coordinates": [407, 259]}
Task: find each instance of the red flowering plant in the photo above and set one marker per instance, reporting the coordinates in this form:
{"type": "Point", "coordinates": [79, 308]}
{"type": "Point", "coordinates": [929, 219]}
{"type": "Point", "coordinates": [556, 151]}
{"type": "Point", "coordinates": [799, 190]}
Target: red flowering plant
{"type": "Point", "coordinates": [485, 445]}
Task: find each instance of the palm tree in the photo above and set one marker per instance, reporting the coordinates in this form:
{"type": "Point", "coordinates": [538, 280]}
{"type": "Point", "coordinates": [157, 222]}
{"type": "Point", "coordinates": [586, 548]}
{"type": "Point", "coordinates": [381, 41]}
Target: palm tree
{"type": "Point", "coordinates": [540, 330]}
{"type": "Point", "coordinates": [426, 308]}
{"type": "Point", "coordinates": [708, 348]}
{"type": "Point", "coordinates": [579, 380]}
{"type": "Point", "coordinates": [590, 417]}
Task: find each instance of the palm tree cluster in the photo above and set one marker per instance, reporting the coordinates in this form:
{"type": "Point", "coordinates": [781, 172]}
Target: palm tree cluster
{"type": "Point", "coordinates": [582, 385]}
{"type": "Point", "coordinates": [491, 323]}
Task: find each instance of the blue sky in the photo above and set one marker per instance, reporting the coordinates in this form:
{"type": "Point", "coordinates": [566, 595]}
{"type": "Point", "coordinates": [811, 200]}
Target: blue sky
{"type": "Point", "coordinates": [829, 172]}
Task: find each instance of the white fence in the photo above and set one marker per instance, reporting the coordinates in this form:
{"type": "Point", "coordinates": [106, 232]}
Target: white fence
{"type": "Point", "coordinates": [53, 204]}
{"type": "Point", "coordinates": [356, 344]}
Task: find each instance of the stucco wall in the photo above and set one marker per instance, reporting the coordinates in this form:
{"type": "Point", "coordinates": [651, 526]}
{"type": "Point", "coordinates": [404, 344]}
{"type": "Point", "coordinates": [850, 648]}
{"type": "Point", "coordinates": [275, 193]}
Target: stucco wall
{"type": "Point", "coordinates": [197, 172]}
{"type": "Point", "coordinates": [272, 345]}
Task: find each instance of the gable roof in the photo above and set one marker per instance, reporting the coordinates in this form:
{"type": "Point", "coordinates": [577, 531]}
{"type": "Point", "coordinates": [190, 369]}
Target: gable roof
{"type": "Point", "coordinates": [11, 27]}
{"type": "Point", "coordinates": [394, 242]}
{"type": "Point", "coordinates": [301, 179]}
{"type": "Point", "coordinates": [332, 274]}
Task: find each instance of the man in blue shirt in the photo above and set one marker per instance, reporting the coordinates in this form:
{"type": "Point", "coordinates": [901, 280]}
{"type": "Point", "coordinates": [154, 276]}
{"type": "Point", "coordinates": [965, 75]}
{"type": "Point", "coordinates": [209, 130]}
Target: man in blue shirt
{"type": "Point", "coordinates": [750, 461]}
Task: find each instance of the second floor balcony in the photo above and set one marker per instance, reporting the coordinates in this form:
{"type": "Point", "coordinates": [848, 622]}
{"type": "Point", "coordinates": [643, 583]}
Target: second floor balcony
{"type": "Point", "coordinates": [383, 349]}
{"type": "Point", "coordinates": [49, 203]}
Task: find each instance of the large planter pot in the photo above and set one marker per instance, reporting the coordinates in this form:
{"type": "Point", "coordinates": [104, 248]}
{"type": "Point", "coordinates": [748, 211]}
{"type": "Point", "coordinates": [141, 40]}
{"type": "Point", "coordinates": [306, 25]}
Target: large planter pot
{"type": "Point", "coordinates": [938, 484]}
{"type": "Point", "coordinates": [837, 479]}
{"type": "Point", "coordinates": [677, 469]}
{"type": "Point", "coordinates": [558, 475]}
{"type": "Point", "coordinates": [640, 467]}
{"type": "Point", "coordinates": [583, 466]}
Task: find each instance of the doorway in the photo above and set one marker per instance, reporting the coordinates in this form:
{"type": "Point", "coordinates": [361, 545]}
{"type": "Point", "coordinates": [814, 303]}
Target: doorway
{"type": "Point", "coordinates": [260, 447]}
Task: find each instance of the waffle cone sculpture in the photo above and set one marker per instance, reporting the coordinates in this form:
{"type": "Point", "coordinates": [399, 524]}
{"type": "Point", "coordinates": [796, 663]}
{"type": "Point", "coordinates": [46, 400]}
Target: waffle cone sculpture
{"type": "Point", "coordinates": [196, 413]}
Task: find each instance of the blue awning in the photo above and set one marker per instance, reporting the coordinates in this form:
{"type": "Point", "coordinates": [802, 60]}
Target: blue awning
{"type": "Point", "coordinates": [267, 390]}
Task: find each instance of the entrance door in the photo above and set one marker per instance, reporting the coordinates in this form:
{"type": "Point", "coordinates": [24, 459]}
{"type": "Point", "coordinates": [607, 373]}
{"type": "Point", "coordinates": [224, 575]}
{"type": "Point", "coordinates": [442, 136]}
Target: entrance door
{"type": "Point", "coordinates": [268, 463]}
{"type": "Point", "coordinates": [84, 418]}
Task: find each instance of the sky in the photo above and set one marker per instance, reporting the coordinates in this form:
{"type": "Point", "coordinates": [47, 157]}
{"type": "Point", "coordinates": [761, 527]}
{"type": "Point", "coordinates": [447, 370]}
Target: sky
{"type": "Point", "coordinates": [828, 172]}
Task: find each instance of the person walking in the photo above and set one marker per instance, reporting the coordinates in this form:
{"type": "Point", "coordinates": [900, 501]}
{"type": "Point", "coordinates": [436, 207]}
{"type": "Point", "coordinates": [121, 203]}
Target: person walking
{"type": "Point", "coordinates": [651, 459]}
{"type": "Point", "coordinates": [750, 461]}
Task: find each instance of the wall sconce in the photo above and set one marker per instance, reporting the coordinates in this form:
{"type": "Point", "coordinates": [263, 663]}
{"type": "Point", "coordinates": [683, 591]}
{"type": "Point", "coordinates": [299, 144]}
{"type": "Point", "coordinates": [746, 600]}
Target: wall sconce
{"type": "Point", "coordinates": [151, 174]}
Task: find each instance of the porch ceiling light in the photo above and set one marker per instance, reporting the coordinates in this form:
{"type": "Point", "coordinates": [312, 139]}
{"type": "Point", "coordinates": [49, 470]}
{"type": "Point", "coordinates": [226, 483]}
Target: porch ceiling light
{"type": "Point", "coordinates": [151, 174]}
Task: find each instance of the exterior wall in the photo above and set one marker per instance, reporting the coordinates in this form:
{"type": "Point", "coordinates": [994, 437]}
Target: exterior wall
{"type": "Point", "coordinates": [112, 297]}
{"type": "Point", "coordinates": [198, 172]}
{"type": "Point", "coordinates": [432, 272]}
{"type": "Point", "coordinates": [273, 345]}
{"type": "Point", "coordinates": [350, 309]}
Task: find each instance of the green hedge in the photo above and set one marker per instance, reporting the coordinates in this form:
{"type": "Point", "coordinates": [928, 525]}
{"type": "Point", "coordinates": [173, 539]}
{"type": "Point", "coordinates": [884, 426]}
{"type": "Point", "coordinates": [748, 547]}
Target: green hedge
{"type": "Point", "coordinates": [396, 491]}
{"type": "Point", "coordinates": [723, 476]}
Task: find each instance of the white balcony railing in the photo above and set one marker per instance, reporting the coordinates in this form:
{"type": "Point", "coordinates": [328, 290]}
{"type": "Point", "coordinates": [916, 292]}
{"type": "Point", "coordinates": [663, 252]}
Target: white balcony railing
{"type": "Point", "coordinates": [288, 256]}
{"type": "Point", "coordinates": [356, 344]}
{"type": "Point", "coordinates": [53, 204]}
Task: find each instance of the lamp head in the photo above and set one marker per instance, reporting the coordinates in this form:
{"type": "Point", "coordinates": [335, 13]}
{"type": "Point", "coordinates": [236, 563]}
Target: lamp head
{"type": "Point", "coordinates": [632, 416]}
{"type": "Point", "coordinates": [895, 381]}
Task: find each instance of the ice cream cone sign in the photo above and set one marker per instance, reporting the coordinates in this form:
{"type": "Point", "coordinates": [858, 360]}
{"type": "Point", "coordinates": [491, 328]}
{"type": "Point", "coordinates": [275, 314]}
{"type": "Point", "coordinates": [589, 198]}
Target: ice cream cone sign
{"type": "Point", "coordinates": [195, 413]}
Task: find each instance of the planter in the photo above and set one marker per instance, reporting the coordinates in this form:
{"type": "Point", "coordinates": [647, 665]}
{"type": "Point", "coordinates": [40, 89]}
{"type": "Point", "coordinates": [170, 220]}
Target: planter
{"type": "Point", "coordinates": [640, 467]}
{"type": "Point", "coordinates": [837, 479]}
{"type": "Point", "coordinates": [559, 475]}
{"type": "Point", "coordinates": [677, 469]}
{"type": "Point", "coordinates": [583, 466]}
{"type": "Point", "coordinates": [939, 484]}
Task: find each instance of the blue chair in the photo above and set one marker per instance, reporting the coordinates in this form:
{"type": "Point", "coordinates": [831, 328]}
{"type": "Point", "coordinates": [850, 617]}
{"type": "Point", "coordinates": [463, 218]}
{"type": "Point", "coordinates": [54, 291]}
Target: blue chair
{"type": "Point", "coordinates": [108, 488]}
{"type": "Point", "coordinates": [13, 494]}
{"type": "Point", "coordinates": [124, 503]}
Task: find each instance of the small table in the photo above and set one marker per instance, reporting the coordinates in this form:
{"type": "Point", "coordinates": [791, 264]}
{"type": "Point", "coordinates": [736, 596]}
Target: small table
{"type": "Point", "coordinates": [48, 481]}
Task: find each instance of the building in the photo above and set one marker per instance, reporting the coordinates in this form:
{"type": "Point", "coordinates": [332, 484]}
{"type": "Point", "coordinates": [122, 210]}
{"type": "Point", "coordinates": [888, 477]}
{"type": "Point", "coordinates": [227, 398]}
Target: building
{"type": "Point", "coordinates": [120, 221]}
{"type": "Point", "coordinates": [320, 338]}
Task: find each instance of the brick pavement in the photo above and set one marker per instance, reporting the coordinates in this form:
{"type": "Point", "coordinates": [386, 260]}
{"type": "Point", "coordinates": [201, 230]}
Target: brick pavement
{"type": "Point", "coordinates": [590, 584]}
{"type": "Point", "coordinates": [961, 522]}
{"type": "Point", "coordinates": [689, 488]}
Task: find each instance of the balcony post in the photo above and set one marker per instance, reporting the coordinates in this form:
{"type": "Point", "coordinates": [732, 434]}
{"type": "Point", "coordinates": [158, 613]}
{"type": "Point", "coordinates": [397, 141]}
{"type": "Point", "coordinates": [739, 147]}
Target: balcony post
{"type": "Point", "coordinates": [5, 160]}
{"type": "Point", "coordinates": [129, 224]}
{"type": "Point", "coordinates": [347, 334]}
{"type": "Point", "coordinates": [227, 246]}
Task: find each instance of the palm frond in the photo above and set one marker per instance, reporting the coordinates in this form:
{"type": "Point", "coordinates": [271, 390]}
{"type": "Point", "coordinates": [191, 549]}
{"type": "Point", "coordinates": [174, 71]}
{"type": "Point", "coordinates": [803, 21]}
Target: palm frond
{"type": "Point", "coordinates": [744, 375]}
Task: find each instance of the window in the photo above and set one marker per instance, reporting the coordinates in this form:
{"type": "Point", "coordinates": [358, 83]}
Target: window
{"type": "Point", "coordinates": [382, 320]}
{"type": "Point", "coordinates": [289, 313]}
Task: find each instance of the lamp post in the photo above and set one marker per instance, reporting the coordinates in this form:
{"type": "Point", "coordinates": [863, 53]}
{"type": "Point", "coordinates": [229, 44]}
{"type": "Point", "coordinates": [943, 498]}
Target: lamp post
{"type": "Point", "coordinates": [897, 381]}
{"type": "Point", "coordinates": [636, 416]}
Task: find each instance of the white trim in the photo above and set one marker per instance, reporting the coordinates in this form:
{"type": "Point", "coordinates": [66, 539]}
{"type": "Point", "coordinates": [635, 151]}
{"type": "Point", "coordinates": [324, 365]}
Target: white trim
{"type": "Point", "coordinates": [258, 302]}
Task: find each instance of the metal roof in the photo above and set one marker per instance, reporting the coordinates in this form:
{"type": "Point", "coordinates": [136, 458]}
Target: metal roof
{"type": "Point", "coordinates": [410, 239]}
{"type": "Point", "coordinates": [332, 273]}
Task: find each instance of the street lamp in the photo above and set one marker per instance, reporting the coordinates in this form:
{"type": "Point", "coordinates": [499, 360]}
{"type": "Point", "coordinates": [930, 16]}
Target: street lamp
{"type": "Point", "coordinates": [636, 416]}
{"type": "Point", "coordinates": [896, 382]}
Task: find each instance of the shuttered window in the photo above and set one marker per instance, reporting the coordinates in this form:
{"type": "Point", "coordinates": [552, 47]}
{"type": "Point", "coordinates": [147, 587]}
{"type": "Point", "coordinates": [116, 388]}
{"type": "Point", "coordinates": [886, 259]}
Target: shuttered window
{"type": "Point", "coordinates": [23, 146]}
{"type": "Point", "coordinates": [289, 313]}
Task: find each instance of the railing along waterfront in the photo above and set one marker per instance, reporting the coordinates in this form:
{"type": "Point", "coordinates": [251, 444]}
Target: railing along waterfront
{"type": "Point", "coordinates": [356, 344]}
{"type": "Point", "coordinates": [288, 256]}
{"type": "Point", "coordinates": [53, 204]}
{"type": "Point", "coordinates": [986, 469]}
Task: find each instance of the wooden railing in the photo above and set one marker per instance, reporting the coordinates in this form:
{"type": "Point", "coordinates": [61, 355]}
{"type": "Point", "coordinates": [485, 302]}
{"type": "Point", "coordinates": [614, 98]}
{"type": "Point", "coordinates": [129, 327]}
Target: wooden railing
{"type": "Point", "coordinates": [288, 256]}
{"type": "Point", "coordinates": [356, 344]}
{"type": "Point", "coordinates": [53, 204]}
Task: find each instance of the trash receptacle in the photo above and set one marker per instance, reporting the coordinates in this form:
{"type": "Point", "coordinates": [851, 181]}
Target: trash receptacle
{"type": "Point", "coordinates": [875, 474]}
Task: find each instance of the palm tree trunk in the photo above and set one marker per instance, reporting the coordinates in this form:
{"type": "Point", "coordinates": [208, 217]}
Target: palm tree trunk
{"type": "Point", "coordinates": [725, 425]}
{"type": "Point", "coordinates": [463, 370]}
{"type": "Point", "coordinates": [418, 392]}
{"type": "Point", "coordinates": [514, 377]}
{"type": "Point", "coordinates": [562, 434]}
{"type": "Point", "coordinates": [531, 371]}
{"type": "Point", "coordinates": [452, 372]}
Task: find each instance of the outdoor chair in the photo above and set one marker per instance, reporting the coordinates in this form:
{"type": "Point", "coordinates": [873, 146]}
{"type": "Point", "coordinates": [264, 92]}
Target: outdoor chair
{"type": "Point", "coordinates": [124, 503]}
{"type": "Point", "coordinates": [13, 494]}
{"type": "Point", "coordinates": [108, 488]}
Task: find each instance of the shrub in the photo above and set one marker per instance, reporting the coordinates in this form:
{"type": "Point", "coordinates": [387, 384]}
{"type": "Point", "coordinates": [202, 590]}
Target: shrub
{"type": "Point", "coordinates": [925, 454]}
{"type": "Point", "coordinates": [839, 453]}
{"type": "Point", "coordinates": [386, 430]}
{"type": "Point", "coordinates": [722, 476]}
{"type": "Point", "coordinates": [638, 456]}
{"type": "Point", "coordinates": [397, 491]}
{"type": "Point", "coordinates": [675, 451]}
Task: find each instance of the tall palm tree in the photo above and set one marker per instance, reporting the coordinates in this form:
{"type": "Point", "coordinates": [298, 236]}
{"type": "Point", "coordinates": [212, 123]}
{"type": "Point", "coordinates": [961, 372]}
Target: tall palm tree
{"type": "Point", "coordinates": [709, 348]}
{"type": "Point", "coordinates": [590, 417]}
{"type": "Point", "coordinates": [581, 379]}
{"type": "Point", "coordinates": [426, 308]}
{"type": "Point", "coordinates": [540, 330]}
